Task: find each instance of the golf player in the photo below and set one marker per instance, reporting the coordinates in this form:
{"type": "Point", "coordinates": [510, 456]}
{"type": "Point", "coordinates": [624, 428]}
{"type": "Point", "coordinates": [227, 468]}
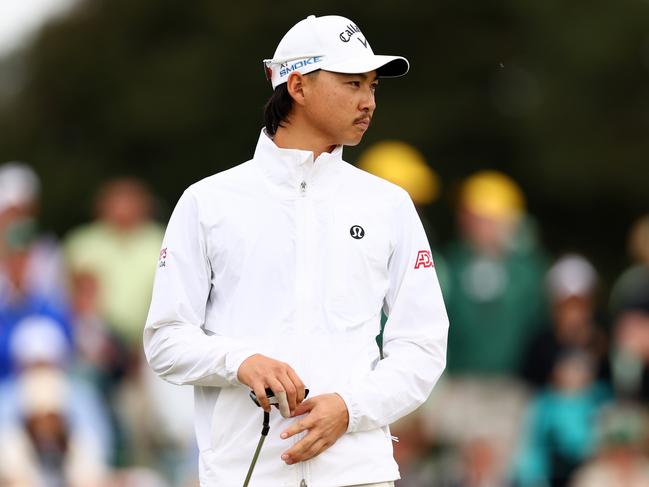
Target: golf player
{"type": "Point", "coordinates": [273, 274]}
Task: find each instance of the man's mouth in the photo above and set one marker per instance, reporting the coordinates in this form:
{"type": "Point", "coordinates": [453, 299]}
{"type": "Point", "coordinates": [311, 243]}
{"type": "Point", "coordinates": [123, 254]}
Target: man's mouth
{"type": "Point", "coordinates": [363, 122]}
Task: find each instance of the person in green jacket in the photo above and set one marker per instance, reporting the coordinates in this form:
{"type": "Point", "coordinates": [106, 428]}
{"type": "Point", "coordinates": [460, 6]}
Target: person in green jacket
{"type": "Point", "coordinates": [494, 287]}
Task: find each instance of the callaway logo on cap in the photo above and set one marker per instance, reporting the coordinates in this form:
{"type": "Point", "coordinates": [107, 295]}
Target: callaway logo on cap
{"type": "Point", "coordinates": [331, 43]}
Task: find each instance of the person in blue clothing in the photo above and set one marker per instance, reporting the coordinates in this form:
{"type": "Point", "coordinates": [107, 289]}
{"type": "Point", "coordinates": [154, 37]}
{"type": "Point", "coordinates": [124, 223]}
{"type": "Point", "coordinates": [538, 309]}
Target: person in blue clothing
{"type": "Point", "coordinates": [54, 428]}
{"type": "Point", "coordinates": [18, 302]}
{"type": "Point", "coordinates": [560, 429]}
{"type": "Point", "coordinates": [19, 211]}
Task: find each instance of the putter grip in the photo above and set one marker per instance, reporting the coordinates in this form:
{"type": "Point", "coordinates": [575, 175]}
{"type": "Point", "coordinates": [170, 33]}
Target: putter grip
{"type": "Point", "coordinates": [271, 396]}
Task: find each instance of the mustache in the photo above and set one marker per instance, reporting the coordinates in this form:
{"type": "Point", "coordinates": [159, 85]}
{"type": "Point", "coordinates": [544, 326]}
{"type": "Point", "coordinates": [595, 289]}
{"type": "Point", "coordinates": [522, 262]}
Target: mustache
{"type": "Point", "coordinates": [363, 118]}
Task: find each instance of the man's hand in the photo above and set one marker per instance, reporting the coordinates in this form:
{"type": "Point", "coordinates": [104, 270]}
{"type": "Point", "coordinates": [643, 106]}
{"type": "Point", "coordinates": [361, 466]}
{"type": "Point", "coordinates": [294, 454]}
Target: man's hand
{"type": "Point", "coordinates": [326, 421]}
{"type": "Point", "coordinates": [259, 372]}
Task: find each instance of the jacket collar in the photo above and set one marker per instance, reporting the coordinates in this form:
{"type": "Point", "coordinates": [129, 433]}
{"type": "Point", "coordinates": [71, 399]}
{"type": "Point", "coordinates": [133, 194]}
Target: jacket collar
{"type": "Point", "coordinates": [287, 169]}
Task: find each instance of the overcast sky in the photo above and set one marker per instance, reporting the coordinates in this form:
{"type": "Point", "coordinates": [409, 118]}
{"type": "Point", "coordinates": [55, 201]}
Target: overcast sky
{"type": "Point", "coordinates": [20, 19]}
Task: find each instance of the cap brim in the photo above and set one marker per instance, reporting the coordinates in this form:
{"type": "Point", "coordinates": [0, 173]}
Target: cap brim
{"type": "Point", "coordinates": [385, 66]}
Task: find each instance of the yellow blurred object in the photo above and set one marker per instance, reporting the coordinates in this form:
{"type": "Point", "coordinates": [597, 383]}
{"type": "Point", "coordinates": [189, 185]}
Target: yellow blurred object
{"type": "Point", "coordinates": [403, 165]}
{"type": "Point", "coordinates": [492, 194]}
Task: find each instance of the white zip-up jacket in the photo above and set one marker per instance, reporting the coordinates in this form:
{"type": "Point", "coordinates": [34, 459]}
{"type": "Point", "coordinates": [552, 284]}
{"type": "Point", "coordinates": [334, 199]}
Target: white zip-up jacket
{"type": "Point", "coordinates": [294, 259]}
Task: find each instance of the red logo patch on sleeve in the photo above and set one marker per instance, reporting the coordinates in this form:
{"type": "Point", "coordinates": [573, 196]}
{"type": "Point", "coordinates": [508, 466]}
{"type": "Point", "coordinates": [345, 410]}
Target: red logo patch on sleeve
{"type": "Point", "coordinates": [424, 259]}
{"type": "Point", "coordinates": [162, 260]}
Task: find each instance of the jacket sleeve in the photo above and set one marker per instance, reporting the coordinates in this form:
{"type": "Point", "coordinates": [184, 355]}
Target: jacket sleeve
{"type": "Point", "coordinates": [175, 343]}
{"type": "Point", "coordinates": [415, 335]}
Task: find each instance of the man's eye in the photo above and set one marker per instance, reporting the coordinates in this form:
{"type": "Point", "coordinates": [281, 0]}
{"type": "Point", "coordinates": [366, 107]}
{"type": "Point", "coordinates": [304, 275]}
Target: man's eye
{"type": "Point", "coordinates": [357, 84]}
{"type": "Point", "coordinates": [375, 86]}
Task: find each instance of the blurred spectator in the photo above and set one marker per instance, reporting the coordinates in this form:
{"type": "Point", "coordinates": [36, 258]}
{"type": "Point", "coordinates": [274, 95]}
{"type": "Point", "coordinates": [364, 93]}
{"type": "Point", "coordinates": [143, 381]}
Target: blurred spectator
{"type": "Point", "coordinates": [40, 344]}
{"type": "Point", "coordinates": [424, 461]}
{"type": "Point", "coordinates": [494, 294]}
{"type": "Point", "coordinates": [476, 421]}
{"type": "Point", "coordinates": [44, 451]}
{"type": "Point", "coordinates": [20, 302]}
{"type": "Point", "coordinates": [621, 460]}
{"type": "Point", "coordinates": [100, 355]}
{"type": "Point", "coordinates": [571, 285]}
{"type": "Point", "coordinates": [494, 298]}
{"type": "Point", "coordinates": [52, 426]}
{"type": "Point", "coordinates": [113, 262]}
{"type": "Point", "coordinates": [120, 250]}
{"type": "Point", "coordinates": [630, 348]}
{"type": "Point", "coordinates": [44, 273]}
{"type": "Point", "coordinates": [629, 304]}
{"type": "Point", "coordinates": [638, 245]}
{"type": "Point", "coordinates": [628, 287]}
{"type": "Point", "coordinates": [559, 434]}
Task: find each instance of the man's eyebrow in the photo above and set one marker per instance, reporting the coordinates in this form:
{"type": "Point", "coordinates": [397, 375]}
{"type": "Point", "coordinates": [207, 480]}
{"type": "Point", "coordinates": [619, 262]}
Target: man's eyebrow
{"type": "Point", "coordinates": [374, 76]}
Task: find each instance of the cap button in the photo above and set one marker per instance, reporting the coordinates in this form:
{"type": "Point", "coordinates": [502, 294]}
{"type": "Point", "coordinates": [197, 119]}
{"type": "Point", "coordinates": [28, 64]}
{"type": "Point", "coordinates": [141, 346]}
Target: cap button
{"type": "Point", "coordinates": [311, 17]}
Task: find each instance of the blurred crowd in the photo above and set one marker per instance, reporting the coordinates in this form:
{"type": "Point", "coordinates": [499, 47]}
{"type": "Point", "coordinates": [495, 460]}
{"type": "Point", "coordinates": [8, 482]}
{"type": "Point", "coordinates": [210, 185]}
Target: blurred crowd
{"type": "Point", "coordinates": [78, 405]}
{"type": "Point", "coordinates": [547, 380]}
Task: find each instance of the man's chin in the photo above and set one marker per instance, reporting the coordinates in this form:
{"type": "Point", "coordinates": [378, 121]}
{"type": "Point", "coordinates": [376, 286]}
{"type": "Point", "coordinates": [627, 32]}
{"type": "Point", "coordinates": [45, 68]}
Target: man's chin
{"type": "Point", "coordinates": [353, 141]}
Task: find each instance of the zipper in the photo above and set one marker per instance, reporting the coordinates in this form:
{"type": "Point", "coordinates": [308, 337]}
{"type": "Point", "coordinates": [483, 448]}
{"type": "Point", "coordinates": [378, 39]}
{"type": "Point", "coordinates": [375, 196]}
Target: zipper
{"type": "Point", "coordinates": [302, 286]}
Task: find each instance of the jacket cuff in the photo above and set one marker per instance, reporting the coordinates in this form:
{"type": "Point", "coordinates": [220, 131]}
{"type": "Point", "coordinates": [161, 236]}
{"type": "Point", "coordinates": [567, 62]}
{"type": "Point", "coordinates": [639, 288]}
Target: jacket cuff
{"type": "Point", "coordinates": [233, 361]}
{"type": "Point", "coordinates": [352, 410]}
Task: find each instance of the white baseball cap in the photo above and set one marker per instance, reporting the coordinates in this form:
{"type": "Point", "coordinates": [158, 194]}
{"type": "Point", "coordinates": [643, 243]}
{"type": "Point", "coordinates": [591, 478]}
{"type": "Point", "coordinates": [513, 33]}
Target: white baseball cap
{"type": "Point", "coordinates": [571, 276]}
{"type": "Point", "coordinates": [19, 184]}
{"type": "Point", "coordinates": [38, 339]}
{"type": "Point", "coordinates": [331, 43]}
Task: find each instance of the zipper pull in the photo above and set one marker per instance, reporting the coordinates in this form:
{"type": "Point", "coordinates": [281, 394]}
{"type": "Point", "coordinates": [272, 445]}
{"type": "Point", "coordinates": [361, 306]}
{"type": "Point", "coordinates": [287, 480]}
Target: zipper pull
{"type": "Point", "coordinates": [303, 187]}
{"type": "Point", "coordinates": [303, 483]}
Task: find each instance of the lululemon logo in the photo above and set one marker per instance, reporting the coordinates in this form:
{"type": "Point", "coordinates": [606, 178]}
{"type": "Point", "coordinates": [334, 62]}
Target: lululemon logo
{"type": "Point", "coordinates": [357, 232]}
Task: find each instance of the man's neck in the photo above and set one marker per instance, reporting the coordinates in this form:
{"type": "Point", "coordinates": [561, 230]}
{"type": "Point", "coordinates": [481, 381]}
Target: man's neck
{"type": "Point", "coordinates": [299, 136]}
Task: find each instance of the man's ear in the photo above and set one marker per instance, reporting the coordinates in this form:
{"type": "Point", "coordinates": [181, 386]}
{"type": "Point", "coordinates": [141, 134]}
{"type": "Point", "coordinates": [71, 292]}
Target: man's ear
{"type": "Point", "coordinates": [295, 85]}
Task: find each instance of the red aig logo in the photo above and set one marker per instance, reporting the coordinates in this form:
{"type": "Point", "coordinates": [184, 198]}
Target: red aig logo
{"type": "Point", "coordinates": [423, 259]}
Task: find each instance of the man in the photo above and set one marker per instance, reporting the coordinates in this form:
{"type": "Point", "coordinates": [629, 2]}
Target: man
{"type": "Point", "coordinates": [273, 274]}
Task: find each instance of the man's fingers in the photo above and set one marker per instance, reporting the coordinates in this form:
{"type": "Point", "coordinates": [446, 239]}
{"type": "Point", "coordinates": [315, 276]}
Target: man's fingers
{"type": "Point", "coordinates": [295, 453]}
{"type": "Point", "coordinates": [284, 408]}
{"type": "Point", "coordinates": [316, 448]}
{"type": "Point", "coordinates": [260, 392]}
{"type": "Point", "coordinates": [299, 386]}
{"type": "Point", "coordinates": [291, 394]}
{"type": "Point", "coordinates": [282, 397]}
{"type": "Point", "coordinates": [259, 370]}
{"type": "Point", "coordinates": [326, 421]}
{"type": "Point", "coordinates": [297, 427]}
{"type": "Point", "coordinates": [303, 407]}
{"type": "Point", "coordinates": [310, 446]}
{"type": "Point", "coordinates": [278, 389]}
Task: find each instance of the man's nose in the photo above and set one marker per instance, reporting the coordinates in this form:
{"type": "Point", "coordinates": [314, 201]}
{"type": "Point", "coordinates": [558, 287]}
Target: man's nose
{"type": "Point", "coordinates": [368, 102]}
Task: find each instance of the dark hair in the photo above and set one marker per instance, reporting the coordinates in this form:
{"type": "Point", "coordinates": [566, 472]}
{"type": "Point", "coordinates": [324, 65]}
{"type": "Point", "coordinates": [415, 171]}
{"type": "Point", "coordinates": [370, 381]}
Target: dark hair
{"type": "Point", "coordinates": [277, 109]}
{"type": "Point", "coordinates": [279, 105]}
